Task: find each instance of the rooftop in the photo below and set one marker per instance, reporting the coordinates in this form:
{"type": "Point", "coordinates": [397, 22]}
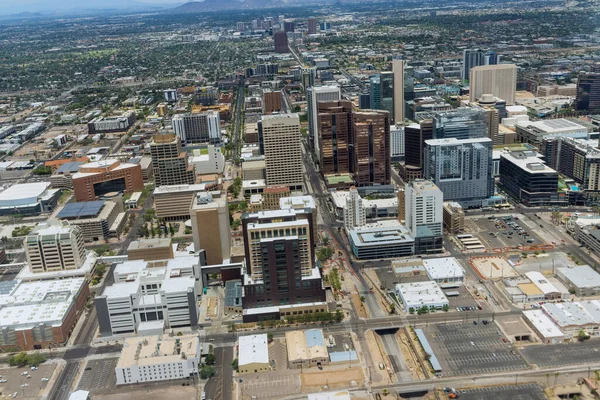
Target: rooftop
{"type": "Point", "coordinates": [553, 126]}
{"type": "Point", "coordinates": [23, 191]}
{"type": "Point", "coordinates": [380, 233]}
{"type": "Point", "coordinates": [339, 395]}
{"type": "Point", "coordinates": [253, 349]}
{"type": "Point", "coordinates": [581, 276]}
{"type": "Point", "coordinates": [297, 202]}
{"type": "Point", "coordinates": [149, 244]}
{"type": "Point", "coordinates": [442, 268]}
{"type": "Point", "coordinates": [83, 209]}
{"type": "Point", "coordinates": [200, 187]}
{"type": "Point", "coordinates": [528, 161]}
{"type": "Point", "coordinates": [543, 323]}
{"type": "Point", "coordinates": [568, 314]}
{"type": "Point", "coordinates": [149, 350]}
{"type": "Point", "coordinates": [418, 294]}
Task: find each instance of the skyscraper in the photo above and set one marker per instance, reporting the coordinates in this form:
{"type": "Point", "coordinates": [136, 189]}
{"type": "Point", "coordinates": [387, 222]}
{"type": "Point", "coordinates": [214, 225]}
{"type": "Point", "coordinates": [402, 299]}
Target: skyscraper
{"type": "Point", "coordinates": [475, 58]}
{"type": "Point", "coordinates": [281, 42]}
{"type": "Point", "coordinates": [588, 91]}
{"type": "Point", "coordinates": [170, 163]}
{"type": "Point", "coordinates": [424, 215]}
{"type": "Point", "coordinates": [371, 152]}
{"type": "Point", "coordinates": [375, 92]}
{"type": "Point", "coordinates": [54, 246]}
{"type": "Point", "coordinates": [396, 142]}
{"type": "Point", "coordinates": [335, 136]}
{"type": "Point", "coordinates": [461, 123]}
{"type": "Point", "coordinates": [415, 136]}
{"type": "Point", "coordinates": [288, 27]}
{"type": "Point", "coordinates": [364, 101]}
{"type": "Point", "coordinates": [386, 80]}
{"type": "Point", "coordinates": [209, 209]}
{"type": "Point", "coordinates": [354, 212]}
{"type": "Point", "coordinates": [282, 150]}
{"type": "Point", "coordinates": [398, 71]}
{"type": "Point", "coordinates": [312, 26]}
{"type": "Point", "coordinates": [461, 169]}
{"type": "Point", "coordinates": [204, 127]}
{"type": "Point", "coordinates": [498, 80]}
{"type": "Point", "coordinates": [313, 96]}
{"type": "Point", "coordinates": [271, 101]}
{"type": "Point", "coordinates": [309, 74]}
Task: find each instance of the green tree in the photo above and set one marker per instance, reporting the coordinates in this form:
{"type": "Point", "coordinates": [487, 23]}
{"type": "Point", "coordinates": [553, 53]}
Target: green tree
{"type": "Point", "coordinates": [234, 364]}
{"type": "Point", "coordinates": [18, 360]}
{"type": "Point", "coordinates": [446, 308]}
{"type": "Point", "coordinates": [207, 371]}
{"type": "Point", "coordinates": [270, 337]}
{"type": "Point", "coordinates": [582, 335]}
{"type": "Point", "coordinates": [210, 359]}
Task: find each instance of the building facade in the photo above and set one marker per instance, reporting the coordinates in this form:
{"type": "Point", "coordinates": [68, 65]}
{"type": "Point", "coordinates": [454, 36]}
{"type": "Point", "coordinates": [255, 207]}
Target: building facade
{"type": "Point", "coordinates": [315, 94]}
{"type": "Point", "coordinates": [98, 178]}
{"type": "Point", "coordinates": [424, 215]}
{"type": "Point", "coordinates": [281, 141]}
{"type": "Point", "coordinates": [170, 162]}
{"type": "Point", "coordinates": [54, 247]}
{"type": "Point", "coordinates": [204, 127]}
{"type": "Point", "coordinates": [210, 209]}
{"type": "Point", "coordinates": [499, 80]}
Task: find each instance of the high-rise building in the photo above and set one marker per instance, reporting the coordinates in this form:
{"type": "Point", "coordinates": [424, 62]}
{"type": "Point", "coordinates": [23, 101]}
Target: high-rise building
{"type": "Point", "coordinates": [375, 92]}
{"type": "Point", "coordinates": [498, 80]}
{"type": "Point", "coordinates": [241, 27]}
{"type": "Point", "coordinates": [371, 151]}
{"type": "Point", "coordinates": [528, 179]}
{"type": "Point", "coordinates": [281, 140]}
{"type": "Point", "coordinates": [272, 102]}
{"type": "Point", "coordinates": [579, 159]}
{"type": "Point", "coordinates": [424, 215]}
{"type": "Point", "coordinates": [398, 88]}
{"type": "Point", "coordinates": [170, 95]}
{"type": "Point", "coordinates": [204, 127]}
{"type": "Point", "coordinates": [209, 209]}
{"type": "Point", "coordinates": [588, 92]}
{"type": "Point", "coordinates": [354, 211]}
{"type": "Point", "coordinates": [170, 163]}
{"type": "Point", "coordinates": [309, 74]}
{"type": "Point", "coordinates": [415, 136]}
{"type": "Point", "coordinates": [476, 57]}
{"type": "Point", "coordinates": [461, 169]}
{"type": "Point", "coordinates": [281, 42]}
{"type": "Point", "coordinates": [335, 136]}
{"type": "Point", "coordinates": [409, 91]}
{"type": "Point", "coordinates": [280, 259]}
{"type": "Point", "coordinates": [461, 123]}
{"type": "Point", "coordinates": [312, 26]}
{"type": "Point", "coordinates": [495, 110]}
{"type": "Point", "coordinates": [396, 142]}
{"type": "Point", "coordinates": [386, 80]}
{"type": "Point", "coordinates": [54, 246]}
{"type": "Point", "coordinates": [364, 101]}
{"type": "Point", "coordinates": [288, 27]}
{"type": "Point", "coordinates": [313, 96]}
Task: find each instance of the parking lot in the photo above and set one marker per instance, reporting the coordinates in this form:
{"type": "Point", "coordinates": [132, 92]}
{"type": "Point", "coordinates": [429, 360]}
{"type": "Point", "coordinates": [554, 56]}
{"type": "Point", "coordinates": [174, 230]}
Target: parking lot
{"type": "Point", "coordinates": [98, 374]}
{"type": "Point", "coordinates": [276, 385]}
{"type": "Point", "coordinates": [278, 355]}
{"type": "Point", "coordinates": [466, 348]}
{"type": "Point", "coordinates": [529, 391]}
{"type": "Point", "coordinates": [501, 233]}
{"type": "Point", "coordinates": [545, 355]}
{"type": "Point", "coordinates": [15, 380]}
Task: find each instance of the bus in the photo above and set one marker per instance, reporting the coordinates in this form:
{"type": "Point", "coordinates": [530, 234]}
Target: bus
{"type": "Point", "coordinates": [475, 247]}
{"type": "Point", "coordinates": [470, 241]}
{"type": "Point", "coordinates": [464, 236]}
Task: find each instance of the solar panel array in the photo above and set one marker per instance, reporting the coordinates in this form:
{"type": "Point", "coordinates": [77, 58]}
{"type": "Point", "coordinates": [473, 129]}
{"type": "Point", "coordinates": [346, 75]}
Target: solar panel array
{"type": "Point", "coordinates": [81, 210]}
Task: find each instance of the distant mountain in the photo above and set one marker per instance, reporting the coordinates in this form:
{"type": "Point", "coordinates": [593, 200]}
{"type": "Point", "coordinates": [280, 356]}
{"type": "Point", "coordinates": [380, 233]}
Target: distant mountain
{"type": "Point", "coordinates": [219, 5]}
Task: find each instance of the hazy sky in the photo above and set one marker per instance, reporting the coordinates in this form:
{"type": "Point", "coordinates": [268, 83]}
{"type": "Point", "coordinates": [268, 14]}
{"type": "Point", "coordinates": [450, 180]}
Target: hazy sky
{"type": "Point", "coordinates": [12, 6]}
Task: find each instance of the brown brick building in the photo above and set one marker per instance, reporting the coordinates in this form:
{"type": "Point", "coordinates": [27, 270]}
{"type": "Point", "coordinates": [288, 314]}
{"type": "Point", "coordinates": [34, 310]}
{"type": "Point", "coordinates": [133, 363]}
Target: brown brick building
{"type": "Point", "coordinates": [101, 177]}
{"type": "Point", "coordinates": [272, 101]}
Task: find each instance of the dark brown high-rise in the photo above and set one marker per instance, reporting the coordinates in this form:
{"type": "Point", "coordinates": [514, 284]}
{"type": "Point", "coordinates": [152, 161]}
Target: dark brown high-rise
{"type": "Point", "coordinates": [312, 26]}
{"type": "Point", "coordinates": [281, 43]}
{"type": "Point", "coordinates": [334, 121]}
{"type": "Point", "coordinates": [371, 147]}
{"type": "Point", "coordinates": [588, 91]}
{"type": "Point", "coordinates": [415, 136]}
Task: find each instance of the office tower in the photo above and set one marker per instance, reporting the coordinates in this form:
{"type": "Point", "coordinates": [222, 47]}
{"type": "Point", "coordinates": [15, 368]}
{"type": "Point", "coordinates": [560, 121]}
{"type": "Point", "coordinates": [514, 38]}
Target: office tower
{"type": "Point", "coordinates": [207, 95]}
{"type": "Point", "coordinates": [170, 95]}
{"type": "Point", "coordinates": [472, 58]}
{"type": "Point", "coordinates": [579, 159]}
{"type": "Point", "coordinates": [309, 74]}
{"type": "Point", "coordinates": [461, 169]}
{"type": "Point", "coordinates": [280, 18]}
{"type": "Point", "coordinates": [415, 136]}
{"type": "Point", "coordinates": [204, 127]}
{"type": "Point", "coordinates": [170, 162]}
{"type": "Point", "coordinates": [495, 111]}
{"type": "Point", "coordinates": [375, 92]}
{"type": "Point", "coordinates": [325, 26]}
{"type": "Point", "coordinates": [354, 211]}
{"type": "Point", "coordinates": [461, 123]}
{"type": "Point", "coordinates": [335, 136]}
{"type": "Point", "coordinates": [396, 142]}
{"type": "Point", "coordinates": [498, 80]}
{"type": "Point", "coordinates": [313, 96]}
{"type": "Point", "coordinates": [272, 102]}
{"type": "Point", "coordinates": [312, 26]}
{"type": "Point", "coordinates": [280, 253]}
{"type": "Point", "coordinates": [588, 92]}
{"type": "Point", "coordinates": [288, 27]}
{"type": "Point", "coordinates": [282, 149]}
{"type": "Point", "coordinates": [281, 42]}
{"type": "Point", "coordinates": [371, 151]}
{"type": "Point", "coordinates": [424, 215]}
{"type": "Point", "coordinates": [209, 209]}
{"type": "Point", "coordinates": [54, 246]}
{"type": "Point", "coordinates": [409, 92]}
{"type": "Point", "coordinates": [398, 88]}
{"type": "Point", "coordinates": [525, 177]}
{"type": "Point", "coordinates": [364, 101]}
{"type": "Point", "coordinates": [241, 27]}
{"type": "Point", "coordinates": [386, 80]}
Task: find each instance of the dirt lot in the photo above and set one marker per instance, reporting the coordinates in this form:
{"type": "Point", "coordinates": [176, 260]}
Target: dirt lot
{"type": "Point", "coordinates": [377, 375]}
{"type": "Point", "coordinates": [335, 379]}
{"type": "Point", "coordinates": [358, 306]}
{"type": "Point", "coordinates": [15, 380]}
{"type": "Point", "coordinates": [132, 393]}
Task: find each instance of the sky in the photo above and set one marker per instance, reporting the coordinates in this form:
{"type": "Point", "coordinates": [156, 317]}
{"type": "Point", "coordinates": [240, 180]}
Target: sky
{"type": "Point", "coordinates": [13, 7]}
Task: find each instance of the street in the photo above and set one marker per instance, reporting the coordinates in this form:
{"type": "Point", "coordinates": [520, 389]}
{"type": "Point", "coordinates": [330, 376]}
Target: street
{"type": "Point", "coordinates": [219, 387]}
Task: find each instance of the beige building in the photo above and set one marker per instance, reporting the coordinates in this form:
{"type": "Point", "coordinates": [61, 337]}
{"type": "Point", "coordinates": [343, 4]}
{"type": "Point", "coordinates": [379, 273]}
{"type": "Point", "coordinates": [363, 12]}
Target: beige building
{"type": "Point", "coordinates": [169, 161]}
{"type": "Point", "coordinates": [253, 354]}
{"type": "Point", "coordinates": [272, 195]}
{"type": "Point", "coordinates": [499, 80]}
{"type": "Point", "coordinates": [401, 205]}
{"type": "Point", "coordinates": [253, 169]}
{"type": "Point", "coordinates": [107, 222]}
{"type": "Point", "coordinates": [454, 217]}
{"type": "Point", "coordinates": [54, 246]}
{"type": "Point", "coordinates": [172, 203]}
{"type": "Point", "coordinates": [150, 250]}
{"type": "Point", "coordinates": [283, 150]}
{"type": "Point", "coordinates": [306, 348]}
{"type": "Point", "coordinates": [398, 70]}
{"type": "Point", "coordinates": [209, 214]}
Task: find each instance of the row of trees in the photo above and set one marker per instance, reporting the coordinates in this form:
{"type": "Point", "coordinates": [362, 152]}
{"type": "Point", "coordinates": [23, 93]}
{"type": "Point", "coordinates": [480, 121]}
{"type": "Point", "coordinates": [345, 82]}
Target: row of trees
{"type": "Point", "coordinates": [425, 309]}
{"type": "Point", "coordinates": [22, 359]}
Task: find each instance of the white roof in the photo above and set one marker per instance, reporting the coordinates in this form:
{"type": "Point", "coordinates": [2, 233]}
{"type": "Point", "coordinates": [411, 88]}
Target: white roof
{"type": "Point", "coordinates": [528, 161]}
{"type": "Point", "coordinates": [418, 294]}
{"type": "Point", "coordinates": [554, 126]}
{"type": "Point", "coordinates": [442, 268]}
{"type": "Point", "coordinates": [581, 276]}
{"type": "Point", "coordinates": [24, 191]}
{"type": "Point", "coordinates": [253, 349]}
{"type": "Point", "coordinates": [101, 164]}
{"type": "Point", "coordinates": [543, 323]}
{"type": "Point", "coordinates": [80, 395]}
{"type": "Point", "coordinates": [200, 187]}
{"type": "Point", "coordinates": [568, 314]}
{"type": "Point", "coordinates": [341, 395]}
{"type": "Point", "coordinates": [542, 283]}
{"type": "Point", "coordinates": [339, 199]}
{"type": "Point", "coordinates": [297, 202]}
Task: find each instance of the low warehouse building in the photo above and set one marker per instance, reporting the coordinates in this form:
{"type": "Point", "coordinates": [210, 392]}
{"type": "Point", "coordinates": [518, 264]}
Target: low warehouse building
{"type": "Point", "coordinates": [442, 270]}
{"type": "Point", "coordinates": [543, 326]}
{"type": "Point", "coordinates": [306, 348]}
{"type": "Point", "coordinates": [253, 354]}
{"type": "Point", "coordinates": [582, 280]}
{"type": "Point", "coordinates": [417, 295]}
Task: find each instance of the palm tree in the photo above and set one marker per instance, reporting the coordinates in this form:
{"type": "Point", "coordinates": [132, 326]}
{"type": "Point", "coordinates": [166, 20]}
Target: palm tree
{"type": "Point", "coordinates": [556, 375]}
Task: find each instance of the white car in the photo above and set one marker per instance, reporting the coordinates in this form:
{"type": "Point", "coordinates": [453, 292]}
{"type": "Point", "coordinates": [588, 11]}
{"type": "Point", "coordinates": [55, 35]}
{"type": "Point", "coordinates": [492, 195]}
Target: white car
{"type": "Point", "coordinates": [25, 385]}
{"type": "Point", "coordinates": [45, 379]}
{"type": "Point", "coordinates": [3, 381]}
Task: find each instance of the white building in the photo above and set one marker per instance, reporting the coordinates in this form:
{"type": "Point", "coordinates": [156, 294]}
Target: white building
{"type": "Point", "coordinates": [397, 142]}
{"type": "Point", "coordinates": [385, 239]}
{"type": "Point", "coordinates": [204, 127]}
{"type": "Point", "coordinates": [170, 95]}
{"type": "Point", "coordinates": [354, 212]}
{"type": "Point", "coordinates": [155, 358]}
{"type": "Point", "coordinates": [421, 294]}
{"type": "Point", "coordinates": [339, 395]}
{"type": "Point", "coordinates": [253, 354]}
{"type": "Point", "coordinates": [582, 279]}
{"type": "Point", "coordinates": [550, 291]}
{"type": "Point", "coordinates": [208, 161]}
{"type": "Point", "coordinates": [442, 270]}
{"type": "Point", "coordinates": [55, 246]}
{"type": "Point", "coordinates": [424, 203]}
{"type": "Point", "coordinates": [314, 94]}
{"type": "Point", "coordinates": [144, 292]}
{"type": "Point", "coordinates": [543, 326]}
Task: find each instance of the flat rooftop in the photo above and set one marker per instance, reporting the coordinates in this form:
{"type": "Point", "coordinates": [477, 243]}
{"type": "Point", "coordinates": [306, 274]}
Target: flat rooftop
{"type": "Point", "coordinates": [253, 349]}
{"type": "Point", "coordinates": [543, 323]}
{"type": "Point", "coordinates": [23, 191]}
{"type": "Point", "coordinates": [581, 276]}
{"type": "Point", "coordinates": [554, 126]}
{"type": "Point", "coordinates": [443, 268]}
{"type": "Point", "coordinates": [149, 350]}
{"type": "Point", "coordinates": [527, 161]}
{"type": "Point", "coordinates": [83, 209]}
{"type": "Point", "coordinates": [149, 244]}
{"type": "Point", "coordinates": [200, 187]}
